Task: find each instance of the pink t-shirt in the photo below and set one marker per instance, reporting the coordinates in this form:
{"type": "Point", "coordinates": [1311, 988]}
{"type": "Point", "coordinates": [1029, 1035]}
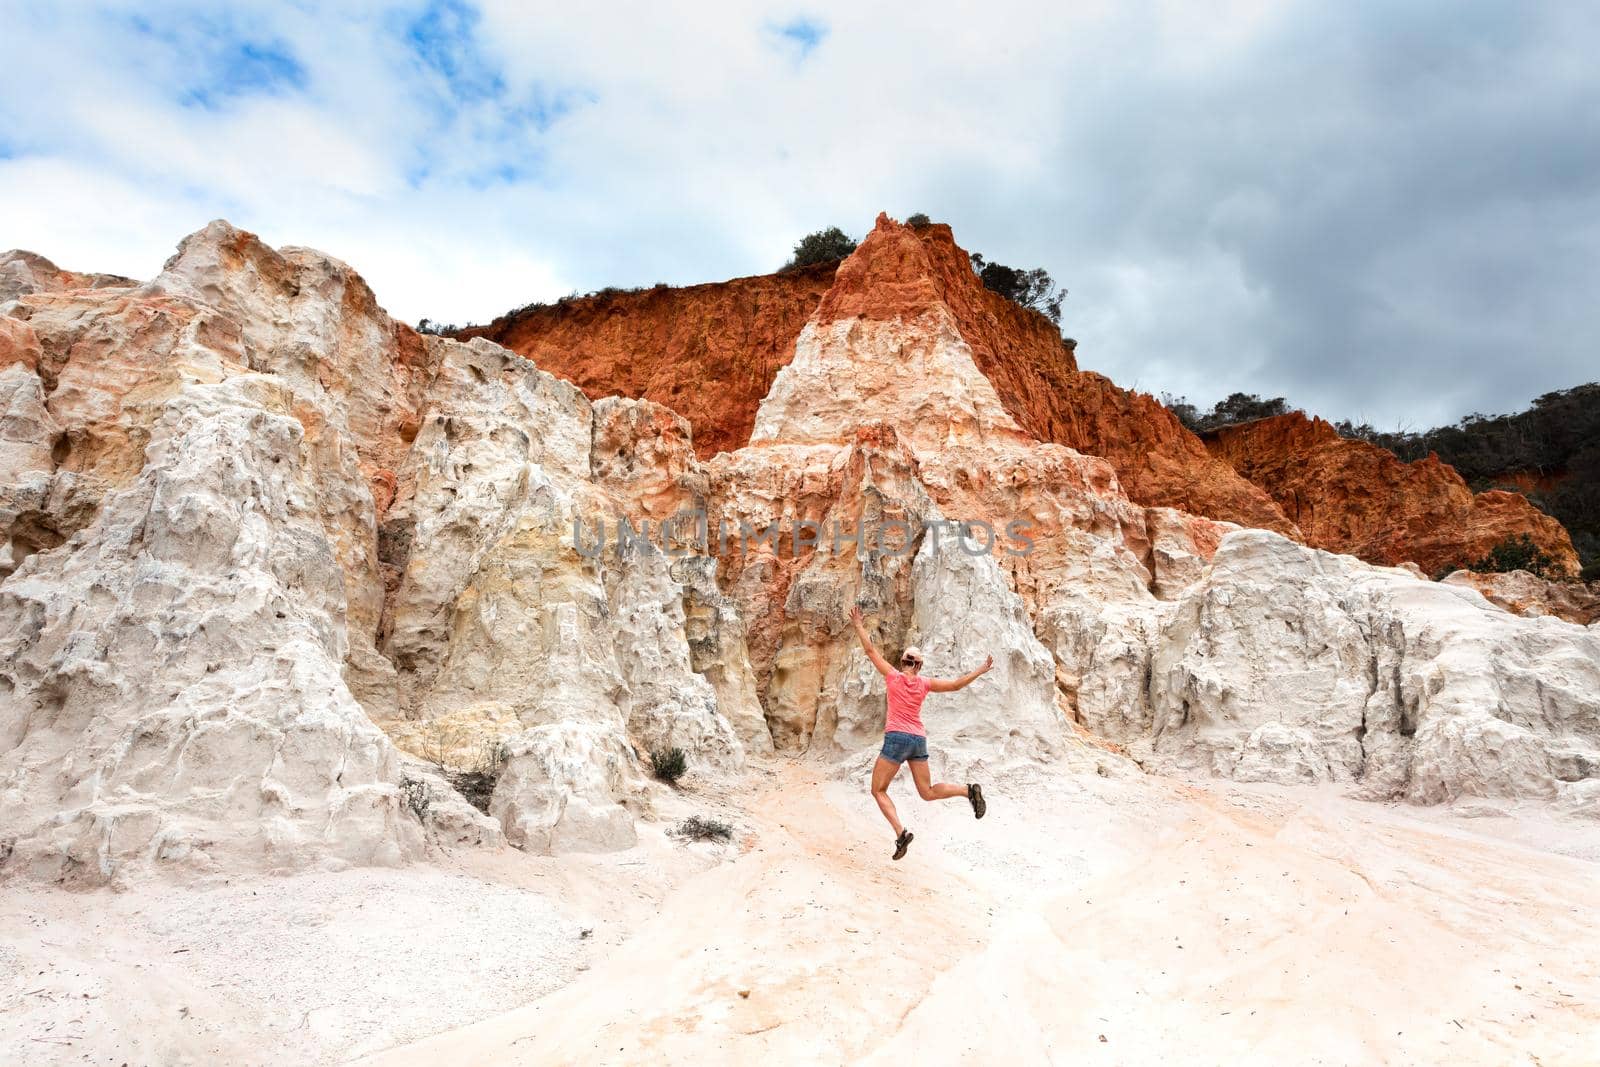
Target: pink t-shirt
{"type": "Point", "coordinates": [906, 693]}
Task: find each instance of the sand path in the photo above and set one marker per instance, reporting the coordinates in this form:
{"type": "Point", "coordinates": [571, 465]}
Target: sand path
{"type": "Point", "coordinates": [1117, 922]}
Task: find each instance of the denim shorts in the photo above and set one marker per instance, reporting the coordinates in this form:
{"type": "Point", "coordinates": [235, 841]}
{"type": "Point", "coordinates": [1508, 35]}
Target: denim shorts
{"type": "Point", "coordinates": [899, 747]}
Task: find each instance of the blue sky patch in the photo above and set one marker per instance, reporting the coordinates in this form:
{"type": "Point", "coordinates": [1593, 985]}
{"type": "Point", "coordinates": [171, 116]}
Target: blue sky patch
{"type": "Point", "coordinates": [471, 103]}
{"type": "Point", "coordinates": [800, 36]}
{"type": "Point", "coordinates": [244, 68]}
{"type": "Point", "coordinates": [210, 62]}
{"type": "Point", "coordinates": [444, 41]}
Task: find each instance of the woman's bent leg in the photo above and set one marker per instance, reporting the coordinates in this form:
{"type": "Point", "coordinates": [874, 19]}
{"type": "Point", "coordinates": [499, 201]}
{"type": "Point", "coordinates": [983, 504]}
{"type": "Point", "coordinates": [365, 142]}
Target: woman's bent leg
{"type": "Point", "coordinates": [927, 789]}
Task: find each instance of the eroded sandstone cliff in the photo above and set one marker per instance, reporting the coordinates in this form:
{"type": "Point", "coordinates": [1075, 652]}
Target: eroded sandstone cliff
{"type": "Point", "coordinates": [710, 352]}
{"type": "Point", "coordinates": [706, 351]}
{"type": "Point", "coordinates": [1528, 594]}
{"type": "Point", "coordinates": [1351, 496]}
{"type": "Point", "coordinates": [901, 270]}
{"type": "Point", "coordinates": [274, 559]}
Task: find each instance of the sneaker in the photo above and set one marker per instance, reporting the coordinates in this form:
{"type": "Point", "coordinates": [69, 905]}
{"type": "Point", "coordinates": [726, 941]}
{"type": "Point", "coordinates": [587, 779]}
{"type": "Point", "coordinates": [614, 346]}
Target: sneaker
{"type": "Point", "coordinates": [902, 843]}
{"type": "Point", "coordinates": [975, 794]}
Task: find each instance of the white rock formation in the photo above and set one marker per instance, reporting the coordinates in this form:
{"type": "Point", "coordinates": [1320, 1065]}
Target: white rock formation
{"type": "Point", "coordinates": [499, 437]}
{"type": "Point", "coordinates": [716, 633]}
{"type": "Point", "coordinates": [965, 611]}
{"type": "Point", "coordinates": [506, 635]}
{"type": "Point", "coordinates": [916, 375]}
{"type": "Point", "coordinates": [171, 674]}
{"type": "Point", "coordinates": [39, 506]}
{"type": "Point", "coordinates": [668, 705]}
{"type": "Point", "coordinates": [1268, 662]}
{"type": "Point", "coordinates": [22, 273]}
{"type": "Point", "coordinates": [569, 787]}
{"type": "Point", "coordinates": [193, 474]}
{"type": "Point", "coordinates": [246, 516]}
{"type": "Point", "coordinates": [1289, 664]}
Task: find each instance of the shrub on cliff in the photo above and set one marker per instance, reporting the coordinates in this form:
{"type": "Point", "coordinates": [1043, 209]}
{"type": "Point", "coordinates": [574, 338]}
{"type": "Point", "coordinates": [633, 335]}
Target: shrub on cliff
{"type": "Point", "coordinates": [1238, 407]}
{"type": "Point", "coordinates": [417, 796]}
{"type": "Point", "coordinates": [919, 220]}
{"type": "Point", "coordinates": [477, 783]}
{"type": "Point", "coordinates": [1033, 289]}
{"type": "Point", "coordinates": [1186, 412]}
{"type": "Point", "coordinates": [824, 246]}
{"type": "Point", "coordinates": [1517, 553]}
{"type": "Point", "coordinates": [669, 764]}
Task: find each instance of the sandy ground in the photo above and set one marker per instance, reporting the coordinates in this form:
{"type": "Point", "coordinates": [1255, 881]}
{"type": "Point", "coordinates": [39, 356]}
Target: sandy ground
{"type": "Point", "coordinates": [1086, 920]}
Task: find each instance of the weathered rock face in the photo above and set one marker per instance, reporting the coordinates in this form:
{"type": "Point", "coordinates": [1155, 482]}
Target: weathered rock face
{"type": "Point", "coordinates": [711, 352]}
{"type": "Point", "coordinates": [27, 272]}
{"type": "Point", "coordinates": [1530, 595]}
{"type": "Point", "coordinates": [1351, 496]}
{"type": "Point", "coordinates": [793, 580]}
{"type": "Point", "coordinates": [193, 472]}
{"type": "Point", "coordinates": [498, 438]}
{"type": "Point", "coordinates": [707, 352]}
{"type": "Point", "coordinates": [39, 508]}
{"type": "Point", "coordinates": [1157, 459]}
{"type": "Point", "coordinates": [515, 629]}
{"type": "Point", "coordinates": [313, 321]}
{"type": "Point", "coordinates": [885, 420]}
{"type": "Point", "coordinates": [172, 674]}
{"type": "Point", "coordinates": [1265, 661]}
{"type": "Point", "coordinates": [899, 271]}
{"type": "Point", "coordinates": [226, 303]}
{"type": "Point", "coordinates": [19, 345]}
{"type": "Point", "coordinates": [1288, 664]}
{"type": "Point", "coordinates": [273, 562]}
{"type": "Point", "coordinates": [98, 390]}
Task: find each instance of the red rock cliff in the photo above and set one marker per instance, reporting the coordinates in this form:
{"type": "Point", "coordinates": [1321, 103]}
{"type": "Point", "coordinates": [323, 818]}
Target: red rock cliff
{"type": "Point", "coordinates": [709, 352]}
{"type": "Point", "coordinates": [1351, 496]}
{"type": "Point", "coordinates": [899, 270]}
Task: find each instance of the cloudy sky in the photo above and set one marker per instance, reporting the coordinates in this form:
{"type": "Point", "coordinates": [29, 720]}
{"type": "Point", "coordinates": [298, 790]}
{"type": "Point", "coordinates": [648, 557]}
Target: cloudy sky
{"type": "Point", "coordinates": [1383, 211]}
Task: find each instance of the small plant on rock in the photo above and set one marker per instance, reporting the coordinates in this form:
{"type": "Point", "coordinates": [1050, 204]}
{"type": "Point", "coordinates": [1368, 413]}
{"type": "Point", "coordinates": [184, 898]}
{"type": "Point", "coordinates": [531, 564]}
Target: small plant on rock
{"type": "Point", "coordinates": [694, 828]}
{"type": "Point", "coordinates": [919, 220]}
{"type": "Point", "coordinates": [418, 797]}
{"type": "Point", "coordinates": [477, 782]}
{"type": "Point", "coordinates": [437, 738]}
{"type": "Point", "coordinates": [670, 763]}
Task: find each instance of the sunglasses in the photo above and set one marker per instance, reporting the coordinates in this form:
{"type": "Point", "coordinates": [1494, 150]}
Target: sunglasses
{"type": "Point", "coordinates": [911, 661]}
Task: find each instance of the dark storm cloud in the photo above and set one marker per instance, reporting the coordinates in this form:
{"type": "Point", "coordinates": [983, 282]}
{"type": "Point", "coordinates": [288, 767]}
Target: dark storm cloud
{"type": "Point", "coordinates": [1396, 212]}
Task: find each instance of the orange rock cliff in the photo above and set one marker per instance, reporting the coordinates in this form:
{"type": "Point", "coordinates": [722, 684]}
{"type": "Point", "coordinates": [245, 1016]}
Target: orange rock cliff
{"type": "Point", "coordinates": [711, 352]}
{"type": "Point", "coordinates": [900, 269]}
{"type": "Point", "coordinates": [1351, 496]}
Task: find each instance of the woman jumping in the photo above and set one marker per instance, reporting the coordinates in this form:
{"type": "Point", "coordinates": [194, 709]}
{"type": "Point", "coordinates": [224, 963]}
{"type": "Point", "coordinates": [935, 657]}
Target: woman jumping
{"type": "Point", "coordinates": [903, 739]}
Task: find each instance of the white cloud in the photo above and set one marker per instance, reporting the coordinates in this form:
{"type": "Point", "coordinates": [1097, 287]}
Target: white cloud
{"type": "Point", "coordinates": [1271, 196]}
